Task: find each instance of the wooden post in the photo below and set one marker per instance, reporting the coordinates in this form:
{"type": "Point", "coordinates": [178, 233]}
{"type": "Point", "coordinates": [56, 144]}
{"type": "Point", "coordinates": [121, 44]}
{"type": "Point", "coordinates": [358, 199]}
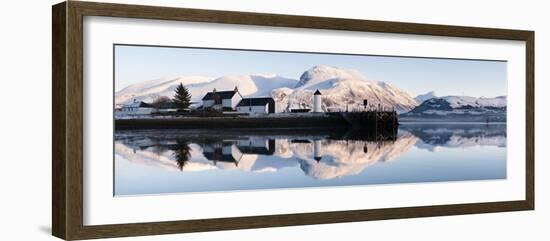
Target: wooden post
{"type": "Point", "coordinates": [393, 125]}
{"type": "Point", "coordinates": [376, 123]}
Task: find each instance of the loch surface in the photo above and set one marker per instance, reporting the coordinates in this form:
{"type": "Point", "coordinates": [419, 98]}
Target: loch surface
{"type": "Point", "coordinates": [183, 161]}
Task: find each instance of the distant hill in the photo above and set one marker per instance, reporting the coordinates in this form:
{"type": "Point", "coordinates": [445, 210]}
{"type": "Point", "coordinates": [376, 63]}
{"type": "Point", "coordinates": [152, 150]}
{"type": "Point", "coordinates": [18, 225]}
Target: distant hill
{"type": "Point", "coordinates": [421, 98]}
{"type": "Point", "coordinates": [459, 108]}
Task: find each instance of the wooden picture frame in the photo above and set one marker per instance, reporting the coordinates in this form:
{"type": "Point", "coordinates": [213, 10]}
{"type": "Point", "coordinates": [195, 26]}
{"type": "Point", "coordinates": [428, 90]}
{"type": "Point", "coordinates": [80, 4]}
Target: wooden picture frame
{"type": "Point", "coordinates": [67, 152]}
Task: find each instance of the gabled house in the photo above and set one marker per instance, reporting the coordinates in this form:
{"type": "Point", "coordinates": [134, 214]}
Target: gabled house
{"type": "Point", "coordinates": [258, 146]}
{"type": "Point", "coordinates": [223, 151]}
{"type": "Point", "coordinates": [137, 108]}
{"type": "Point", "coordinates": [257, 105]}
{"type": "Point", "coordinates": [222, 100]}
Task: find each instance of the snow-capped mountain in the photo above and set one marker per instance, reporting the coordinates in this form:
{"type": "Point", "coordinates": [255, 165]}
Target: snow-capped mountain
{"type": "Point", "coordinates": [459, 108]}
{"type": "Point", "coordinates": [482, 102]}
{"type": "Point", "coordinates": [339, 88]}
{"type": "Point", "coordinates": [421, 98]}
{"type": "Point", "coordinates": [320, 76]}
{"type": "Point", "coordinates": [248, 85]}
{"type": "Point", "coordinates": [149, 90]}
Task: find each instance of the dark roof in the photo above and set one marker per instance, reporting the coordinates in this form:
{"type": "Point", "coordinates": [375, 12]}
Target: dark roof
{"type": "Point", "coordinates": [261, 150]}
{"type": "Point", "coordinates": [256, 101]}
{"type": "Point", "coordinates": [217, 155]}
{"type": "Point", "coordinates": [221, 94]}
{"type": "Point", "coordinates": [168, 105]}
{"type": "Point", "coordinates": [143, 104]}
{"type": "Point", "coordinates": [317, 92]}
{"type": "Point", "coordinates": [138, 104]}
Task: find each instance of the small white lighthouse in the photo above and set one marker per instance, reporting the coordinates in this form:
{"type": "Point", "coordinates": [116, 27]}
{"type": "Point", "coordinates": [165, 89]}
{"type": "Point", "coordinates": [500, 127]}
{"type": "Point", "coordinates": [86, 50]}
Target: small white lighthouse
{"type": "Point", "coordinates": [317, 150]}
{"type": "Point", "coordinates": [317, 101]}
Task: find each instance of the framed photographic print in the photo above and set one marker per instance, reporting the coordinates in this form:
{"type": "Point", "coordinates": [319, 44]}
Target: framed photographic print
{"type": "Point", "coordinates": [171, 120]}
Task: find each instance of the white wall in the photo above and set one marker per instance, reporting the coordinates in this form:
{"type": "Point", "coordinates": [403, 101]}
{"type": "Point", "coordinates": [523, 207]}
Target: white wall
{"type": "Point", "coordinates": [235, 100]}
{"type": "Point", "coordinates": [139, 111]}
{"type": "Point", "coordinates": [317, 103]}
{"type": "Point", "coordinates": [232, 103]}
{"type": "Point", "coordinates": [253, 109]}
{"type": "Point", "coordinates": [207, 103]}
{"type": "Point", "coordinates": [26, 136]}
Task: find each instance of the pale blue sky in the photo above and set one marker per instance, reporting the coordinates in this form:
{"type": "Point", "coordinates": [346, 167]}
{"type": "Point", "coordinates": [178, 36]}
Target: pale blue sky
{"type": "Point", "coordinates": [134, 64]}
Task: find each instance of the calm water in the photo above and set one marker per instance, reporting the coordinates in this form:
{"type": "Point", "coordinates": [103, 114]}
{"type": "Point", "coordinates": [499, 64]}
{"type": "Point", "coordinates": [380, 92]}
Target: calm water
{"type": "Point", "coordinates": [168, 161]}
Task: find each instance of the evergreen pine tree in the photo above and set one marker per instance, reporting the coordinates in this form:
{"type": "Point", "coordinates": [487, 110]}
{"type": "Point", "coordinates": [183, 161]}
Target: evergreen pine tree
{"type": "Point", "coordinates": [182, 98]}
{"type": "Point", "coordinates": [182, 153]}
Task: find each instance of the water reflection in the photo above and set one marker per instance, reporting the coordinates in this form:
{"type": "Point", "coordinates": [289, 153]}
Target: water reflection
{"type": "Point", "coordinates": [318, 155]}
{"type": "Point", "coordinates": [457, 135]}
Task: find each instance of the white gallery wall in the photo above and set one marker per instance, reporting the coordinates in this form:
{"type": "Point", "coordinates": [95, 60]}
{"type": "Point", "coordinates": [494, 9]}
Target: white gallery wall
{"type": "Point", "coordinates": [25, 121]}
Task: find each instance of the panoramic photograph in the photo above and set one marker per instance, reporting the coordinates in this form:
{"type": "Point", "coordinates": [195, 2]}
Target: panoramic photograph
{"type": "Point", "coordinates": [191, 120]}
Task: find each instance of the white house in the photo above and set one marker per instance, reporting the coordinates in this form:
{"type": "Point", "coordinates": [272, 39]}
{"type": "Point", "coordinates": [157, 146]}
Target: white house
{"type": "Point", "coordinates": [222, 100]}
{"type": "Point", "coordinates": [257, 105]}
{"type": "Point", "coordinates": [257, 145]}
{"type": "Point", "coordinates": [137, 108]}
{"type": "Point", "coordinates": [222, 152]}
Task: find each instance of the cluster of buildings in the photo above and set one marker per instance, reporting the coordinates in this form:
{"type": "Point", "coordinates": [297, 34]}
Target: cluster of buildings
{"type": "Point", "coordinates": [222, 101]}
{"type": "Point", "coordinates": [233, 101]}
{"type": "Point", "coordinates": [232, 152]}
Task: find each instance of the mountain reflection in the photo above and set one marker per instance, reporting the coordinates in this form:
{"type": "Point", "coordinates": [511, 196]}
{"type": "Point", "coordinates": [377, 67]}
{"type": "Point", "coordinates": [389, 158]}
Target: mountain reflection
{"type": "Point", "coordinates": [320, 155]}
{"type": "Point", "coordinates": [432, 137]}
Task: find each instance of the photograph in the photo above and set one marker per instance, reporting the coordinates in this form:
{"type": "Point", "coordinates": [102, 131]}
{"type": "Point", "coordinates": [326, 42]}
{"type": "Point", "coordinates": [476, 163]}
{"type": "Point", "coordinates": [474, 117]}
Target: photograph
{"type": "Point", "coordinates": [206, 120]}
{"type": "Point", "coordinates": [191, 119]}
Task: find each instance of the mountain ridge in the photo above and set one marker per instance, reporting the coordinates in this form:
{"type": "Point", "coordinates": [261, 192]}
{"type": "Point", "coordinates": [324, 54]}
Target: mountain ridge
{"type": "Point", "coordinates": [341, 89]}
{"type": "Point", "coordinates": [459, 108]}
{"type": "Point", "coordinates": [423, 97]}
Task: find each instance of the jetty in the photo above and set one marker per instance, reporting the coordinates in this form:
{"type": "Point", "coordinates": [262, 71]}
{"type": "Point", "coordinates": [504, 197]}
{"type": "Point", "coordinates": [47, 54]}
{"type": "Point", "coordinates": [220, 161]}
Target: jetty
{"type": "Point", "coordinates": [378, 121]}
{"type": "Point", "coordinates": [384, 123]}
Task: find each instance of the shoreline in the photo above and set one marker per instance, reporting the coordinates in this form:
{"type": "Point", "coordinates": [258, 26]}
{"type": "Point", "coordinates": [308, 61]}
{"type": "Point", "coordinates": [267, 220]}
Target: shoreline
{"type": "Point", "coordinates": [381, 121]}
{"type": "Point", "coordinates": [280, 122]}
{"type": "Point", "coordinates": [438, 122]}
{"type": "Point", "coordinates": [324, 122]}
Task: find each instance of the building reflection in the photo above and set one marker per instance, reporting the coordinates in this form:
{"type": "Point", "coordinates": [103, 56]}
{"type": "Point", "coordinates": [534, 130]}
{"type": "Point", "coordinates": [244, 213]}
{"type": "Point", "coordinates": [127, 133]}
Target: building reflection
{"type": "Point", "coordinates": [222, 151]}
{"type": "Point", "coordinates": [320, 155]}
{"type": "Point", "coordinates": [232, 151]}
{"type": "Point", "coordinates": [252, 153]}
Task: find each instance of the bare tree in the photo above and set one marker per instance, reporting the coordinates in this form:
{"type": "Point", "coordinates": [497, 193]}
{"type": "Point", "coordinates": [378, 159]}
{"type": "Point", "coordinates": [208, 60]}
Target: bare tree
{"type": "Point", "coordinates": [159, 101]}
